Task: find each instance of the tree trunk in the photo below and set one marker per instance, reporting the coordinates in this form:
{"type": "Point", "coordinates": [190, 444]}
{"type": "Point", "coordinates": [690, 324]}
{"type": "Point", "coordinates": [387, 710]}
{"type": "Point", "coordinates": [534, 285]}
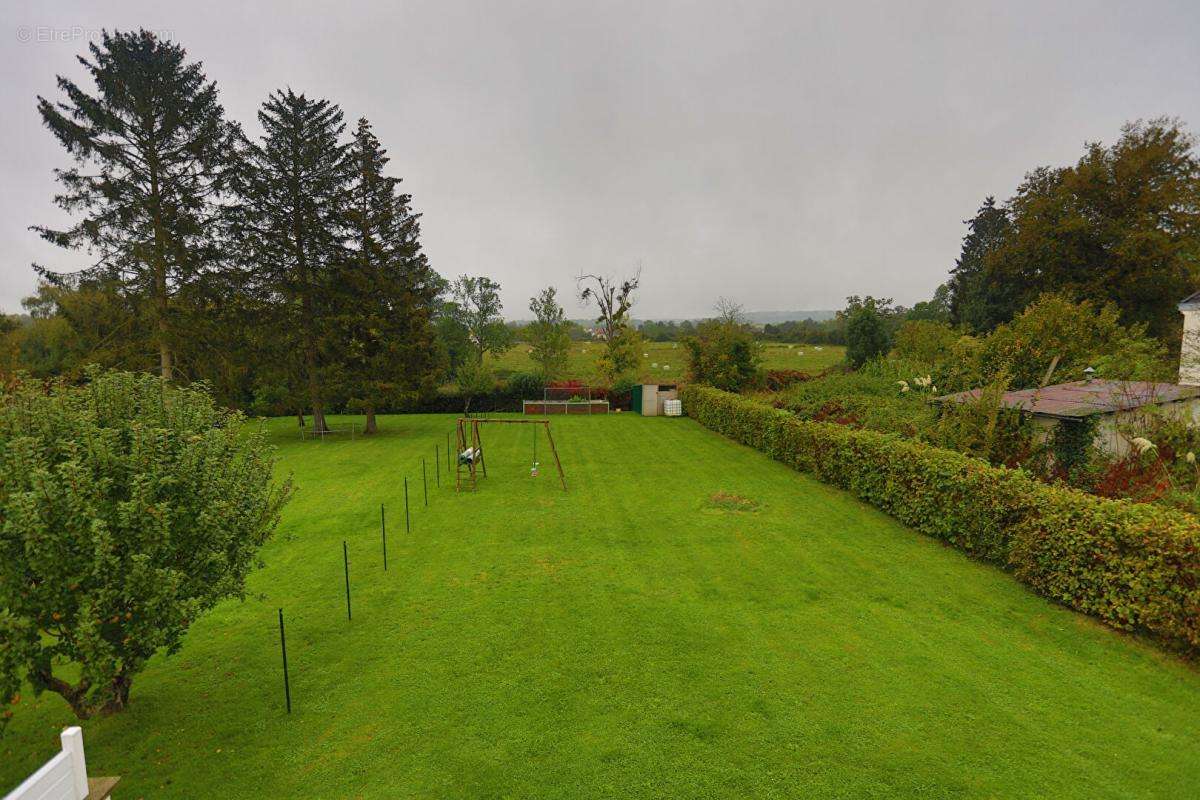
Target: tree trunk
{"type": "Point", "coordinates": [118, 695]}
{"type": "Point", "coordinates": [165, 362]}
{"type": "Point", "coordinates": [160, 275]}
{"type": "Point", "coordinates": [314, 390]}
{"type": "Point", "coordinates": [370, 427]}
{"type": "Point", "coordinates": [76, 696]}
{"type": "Point", "coordinates": [307, 322]}
{"type": "Point", "coordinates": [115, 699]}
{"type": "Point", "coordinates": [318, 415]}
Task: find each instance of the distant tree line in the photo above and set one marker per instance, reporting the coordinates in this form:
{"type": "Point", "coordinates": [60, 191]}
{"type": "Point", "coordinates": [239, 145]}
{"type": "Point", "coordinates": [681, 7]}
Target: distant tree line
{"type": "Point", "coordinates": [285, 270]}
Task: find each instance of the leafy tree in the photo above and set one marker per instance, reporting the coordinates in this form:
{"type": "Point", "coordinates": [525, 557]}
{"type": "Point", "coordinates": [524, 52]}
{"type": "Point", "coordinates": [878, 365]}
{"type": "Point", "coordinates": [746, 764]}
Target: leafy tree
{"type": "Point", "coordinates": [473, 378]}
{"type": "Point", "coordinates": [453, 340]}
{"type": "Point", "coordinates": [391, 290]}
{"type": "Point", "coordinates": [936, 309]}
{"type": "Point", "coordinates": [548, 335]}
{"type": "Point", "coordinates": [613, 301]}
{"type": "Point", "coordinates": [292, 218]}
{"type": "Point", "coordinates": [10, 350]}
{"type": "Point", "coordinates": [151, 147]}
{"type": "Point", "coordinates": [130, 507]}
{"type": "Point", "coordinates": [88, 320]}
{"type": "Point", "coordinates": [1078, 333]}
{"type": "Point", "coordinates": [867, 328]}
{"type": "Point", "coordinates": [477, 309]}
{"type": "Point", "coordinates": [724, 353]}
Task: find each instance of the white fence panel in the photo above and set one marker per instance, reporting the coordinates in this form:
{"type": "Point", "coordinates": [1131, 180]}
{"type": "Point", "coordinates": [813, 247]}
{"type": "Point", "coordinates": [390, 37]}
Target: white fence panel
{"type": "Point", "coordinates": [63, 777]}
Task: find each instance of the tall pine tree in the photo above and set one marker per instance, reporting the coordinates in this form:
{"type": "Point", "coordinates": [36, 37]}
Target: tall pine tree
{"type": "Point", "coordinates": [972, 303]}
{"type": "Point", "coordinates": [150, 146]}
{"type": "Point", "coordinates": [293, 219]}
{"type": "Point", "coordinates": [392, 291]}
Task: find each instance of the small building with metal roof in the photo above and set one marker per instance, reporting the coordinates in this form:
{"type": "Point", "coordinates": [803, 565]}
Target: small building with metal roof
{"type": "Point", "coordinates": [1117, 404]}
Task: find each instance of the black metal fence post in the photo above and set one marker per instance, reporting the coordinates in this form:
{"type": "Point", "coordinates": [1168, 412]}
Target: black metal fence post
{"type": "Point", "coordinates": [287, 689]}
{"type": "Point", "coordinates": [407, 524]}
{"type": "Point", "coordinates": [424, 482]}
{"type": "Point", "coordinates": [346, 561]}
{"type": "Point", "coordinates": [383, 533]}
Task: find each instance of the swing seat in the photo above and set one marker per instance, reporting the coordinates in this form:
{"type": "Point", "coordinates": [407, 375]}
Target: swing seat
{"type": "Point", "coordinates": [468, 456]}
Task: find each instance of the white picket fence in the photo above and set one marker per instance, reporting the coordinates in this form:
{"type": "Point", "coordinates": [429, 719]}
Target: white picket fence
{"type": "Point", "coordinates": [63, 777]}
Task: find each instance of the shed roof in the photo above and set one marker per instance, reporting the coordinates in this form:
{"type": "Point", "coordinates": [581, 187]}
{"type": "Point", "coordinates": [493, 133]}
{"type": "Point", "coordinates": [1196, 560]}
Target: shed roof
{"type": "Point", "coordinates": [1079, 399]}
{"type": "Point", "coordinates": [1190, 303]}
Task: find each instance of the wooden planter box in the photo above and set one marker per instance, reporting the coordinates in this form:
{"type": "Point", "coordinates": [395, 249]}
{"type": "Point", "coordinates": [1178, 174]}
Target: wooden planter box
{"type": "Point", "coordinates": [548, 407]}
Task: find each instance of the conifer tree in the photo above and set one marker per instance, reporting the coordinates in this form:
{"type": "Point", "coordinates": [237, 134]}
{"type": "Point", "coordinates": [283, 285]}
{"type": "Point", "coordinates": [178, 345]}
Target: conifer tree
{"type": "Point", "coordinates": [388, 315]}
{"type": "Point", "coordinates": [151, 148]}
{"type": "Point", "coordinates": [972, 301]}
{"type": "Point", "coordinates": [293, 221]}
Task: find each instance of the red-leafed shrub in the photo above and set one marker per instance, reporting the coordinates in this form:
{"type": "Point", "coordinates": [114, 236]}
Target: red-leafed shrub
{"type": "Point", "coordinates": [779, 379]}
{"type": "Point", "coordinates": [1131, 478]}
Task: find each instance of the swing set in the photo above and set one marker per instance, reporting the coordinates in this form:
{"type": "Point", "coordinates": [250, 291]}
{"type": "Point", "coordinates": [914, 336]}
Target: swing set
{"type": "Point", "coordinates": [469, 465]}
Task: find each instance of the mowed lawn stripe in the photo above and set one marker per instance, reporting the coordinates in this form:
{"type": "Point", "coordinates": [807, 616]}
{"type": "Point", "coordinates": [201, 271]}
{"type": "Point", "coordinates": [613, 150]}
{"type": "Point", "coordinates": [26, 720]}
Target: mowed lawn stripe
{"type": "Point", "coordinates": [690, 619]}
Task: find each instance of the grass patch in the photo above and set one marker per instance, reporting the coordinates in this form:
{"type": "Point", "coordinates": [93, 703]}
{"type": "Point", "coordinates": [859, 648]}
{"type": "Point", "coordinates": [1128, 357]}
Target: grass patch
{"type": "Point", "coordinates": [618, 641]}
{"type": "Point", "coordinates": [667, 361]}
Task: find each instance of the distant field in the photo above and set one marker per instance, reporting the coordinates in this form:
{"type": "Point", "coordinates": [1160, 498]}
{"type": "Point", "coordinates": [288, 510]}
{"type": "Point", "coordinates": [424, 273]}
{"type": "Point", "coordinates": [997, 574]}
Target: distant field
{"type": "Point", "coordinates": [666, 361]}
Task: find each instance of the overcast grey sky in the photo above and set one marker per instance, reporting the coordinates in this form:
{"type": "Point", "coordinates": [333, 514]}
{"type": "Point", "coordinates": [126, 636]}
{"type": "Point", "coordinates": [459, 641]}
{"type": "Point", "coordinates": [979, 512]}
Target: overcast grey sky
{"type": "Point", "coordinates": [782, 154]}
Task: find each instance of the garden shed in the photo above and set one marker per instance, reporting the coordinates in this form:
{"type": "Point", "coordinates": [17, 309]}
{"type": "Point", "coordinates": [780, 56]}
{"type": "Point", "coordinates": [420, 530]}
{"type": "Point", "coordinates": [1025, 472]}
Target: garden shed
{"type": "Point", "coordinates": [647, 398]}
{"type": "Point", "coordinates": [1113, 404]}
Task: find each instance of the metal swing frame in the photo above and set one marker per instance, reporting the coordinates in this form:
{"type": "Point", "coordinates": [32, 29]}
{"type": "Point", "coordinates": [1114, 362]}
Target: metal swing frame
{"type": "Point", "coordinates": [467, 474]}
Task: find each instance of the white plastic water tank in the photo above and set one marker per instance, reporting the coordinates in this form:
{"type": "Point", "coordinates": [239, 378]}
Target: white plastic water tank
{"type": "Point", "coordinates": [673, 408]}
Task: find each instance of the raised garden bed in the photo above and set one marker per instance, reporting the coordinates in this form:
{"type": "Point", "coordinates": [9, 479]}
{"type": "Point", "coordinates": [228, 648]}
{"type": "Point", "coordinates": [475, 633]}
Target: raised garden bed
{"type": "Point", "coordinates": [547, 407]}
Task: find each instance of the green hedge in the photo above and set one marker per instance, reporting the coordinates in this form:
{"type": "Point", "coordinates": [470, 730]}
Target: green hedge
{"type": "Point", "coordinates": [1134, 566]}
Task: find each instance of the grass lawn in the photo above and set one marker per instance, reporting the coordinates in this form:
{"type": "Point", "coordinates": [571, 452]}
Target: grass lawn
{"type": "Point", "coordinates": [691, 620]}
{"type": "Point", "coordinates": [667, 361]}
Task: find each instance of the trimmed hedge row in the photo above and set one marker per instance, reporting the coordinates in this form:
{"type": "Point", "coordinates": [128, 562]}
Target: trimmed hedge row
{"type": "Point", "coordinates": [452, 403]}
{"type": "Point", "coordinates": [497, 401]}
{"type": "Point", "coordinates": [1134, 566]}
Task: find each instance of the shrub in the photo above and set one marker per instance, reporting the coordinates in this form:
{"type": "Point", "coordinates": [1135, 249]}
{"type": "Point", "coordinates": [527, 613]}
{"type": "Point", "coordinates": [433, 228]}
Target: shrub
{"type": "Point", "coordinates": [526, 386]}
{"type": "Point", "coordinates": [620, 396]}
{"type": "Point", "coordinates": [473, 378]}
{"type": "Point", "coordinates": [983, 428]}
{"type": "Point", "coordinates": [779, 379]}
{"type": "Point", "coordinates": [724, 354]}
{"type": "Point", "coordinates": [128, 507]}
{"type": "Point", "coordinates": [922, 340]}
{"type": "Point", "coordinates": [1079, 334]}
{"type": "Point", "coordinates": [864, 399]}
{"type": "Point", "coordinates": [452, 402]}
{"type": "Point", "coordinates": [1136, 567]}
